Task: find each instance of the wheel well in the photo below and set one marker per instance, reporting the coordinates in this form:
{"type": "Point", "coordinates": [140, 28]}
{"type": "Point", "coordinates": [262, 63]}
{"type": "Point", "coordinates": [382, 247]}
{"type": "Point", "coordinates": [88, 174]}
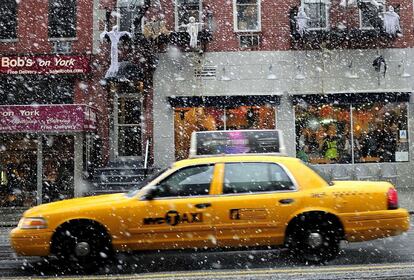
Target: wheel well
{"type": "Point", "coordinates": [70, 225]}
{"type": "Point", "coordinates": [315, 216]}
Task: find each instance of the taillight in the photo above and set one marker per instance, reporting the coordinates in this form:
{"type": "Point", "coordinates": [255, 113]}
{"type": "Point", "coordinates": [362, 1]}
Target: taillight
{"type": "Point", "coordinates": [392, 198]}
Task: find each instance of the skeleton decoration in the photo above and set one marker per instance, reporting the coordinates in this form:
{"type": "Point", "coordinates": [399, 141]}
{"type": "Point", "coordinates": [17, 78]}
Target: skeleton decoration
{"type": "Point", "coordinates": [348, 3]}
{"type": "Point", "coordinates": [392, 22]}
{"type": "Point", "coordinates": [302, 21]}
{"type": "Point", "coordinates": [114, 35]}
{"type": "Point", "coordinates": [192, 29]}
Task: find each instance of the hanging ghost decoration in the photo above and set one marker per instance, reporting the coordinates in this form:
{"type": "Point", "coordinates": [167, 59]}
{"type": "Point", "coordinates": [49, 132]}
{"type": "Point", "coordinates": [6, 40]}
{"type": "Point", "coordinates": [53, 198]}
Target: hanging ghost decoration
{"type": "Point", "coordinates": [348, 3]}
{"type": "Point", "coordinates": [392, 22]}
{"type": "Point", "coordinates": [192, 29]}
{"type": "Point", "coordinates": [114, 35]}
{"type": "Point", "coordinates": [302, 21]}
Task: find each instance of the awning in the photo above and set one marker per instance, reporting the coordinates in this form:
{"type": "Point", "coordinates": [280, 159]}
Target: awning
{"type": "Point", "coordinates": [47, 118]}
{"type": "Point", "coordinates": [352, 98]}
{"type": "Point", "coordinates": [223, 101]}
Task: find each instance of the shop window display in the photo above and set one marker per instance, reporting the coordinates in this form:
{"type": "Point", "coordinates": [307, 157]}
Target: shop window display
{"type": "Point", "coordinates": [188, 120]}
{"type": "Point", "coordinates": [375, 132]}
{"type": "Point", "coordinates": [18, 171]}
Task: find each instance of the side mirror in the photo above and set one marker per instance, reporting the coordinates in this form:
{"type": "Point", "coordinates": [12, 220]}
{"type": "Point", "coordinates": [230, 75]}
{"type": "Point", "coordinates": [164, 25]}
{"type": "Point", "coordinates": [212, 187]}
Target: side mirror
{"type": "Point", "coordinates": [151, 193]}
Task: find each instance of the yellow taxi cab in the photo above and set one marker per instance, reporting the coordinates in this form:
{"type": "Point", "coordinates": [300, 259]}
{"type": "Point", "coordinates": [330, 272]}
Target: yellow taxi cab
{"type": "Point", "coordinates": [217, 202]}
{"type": "Point", "coordinates": [226, 201]}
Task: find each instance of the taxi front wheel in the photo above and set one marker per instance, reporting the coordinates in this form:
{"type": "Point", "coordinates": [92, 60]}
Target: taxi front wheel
{"type": "Point", "coordinates": [314, 241]}
{"type": "Point", "coordinates": [82, 245]}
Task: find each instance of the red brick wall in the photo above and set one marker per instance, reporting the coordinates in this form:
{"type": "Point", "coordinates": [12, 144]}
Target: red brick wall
{"type": "Point", "coordinates": [275, 34]}
{"type": "Point", "coordinates": [32, 29]}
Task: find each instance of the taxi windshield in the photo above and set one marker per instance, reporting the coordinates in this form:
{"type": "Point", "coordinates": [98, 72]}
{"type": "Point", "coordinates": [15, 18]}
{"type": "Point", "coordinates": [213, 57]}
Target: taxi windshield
{"type": "Point", "coordinates": [140, 185]}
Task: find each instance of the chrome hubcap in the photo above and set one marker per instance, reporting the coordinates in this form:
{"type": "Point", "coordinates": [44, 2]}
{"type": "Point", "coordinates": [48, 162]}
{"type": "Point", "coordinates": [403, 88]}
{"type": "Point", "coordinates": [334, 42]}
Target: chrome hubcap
{"type": "Point", "coordinates": [315, 239]}
{"type": "Point", "coordinates": [82, 249]}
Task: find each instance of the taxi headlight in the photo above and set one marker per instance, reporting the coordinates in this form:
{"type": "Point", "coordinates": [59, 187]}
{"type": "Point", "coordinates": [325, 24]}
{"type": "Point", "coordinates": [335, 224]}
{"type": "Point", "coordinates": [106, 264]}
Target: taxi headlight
{"type": "Point", "coordinates": [32, 223]}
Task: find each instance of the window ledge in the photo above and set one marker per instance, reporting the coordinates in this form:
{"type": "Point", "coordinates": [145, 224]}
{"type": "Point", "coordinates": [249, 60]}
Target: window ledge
{"type": "Point", "coordinates": [9, 40]}
{"type": "Point", "coordinates": [248, 31]}
{"type": "Point", "coordinates": [62, 39]}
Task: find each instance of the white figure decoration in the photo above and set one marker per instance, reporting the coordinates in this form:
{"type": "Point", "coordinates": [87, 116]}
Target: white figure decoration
{"type": "Point", "coordinates": [114, 35]}
{"type": "Point", "coordinates": [302, 21]}
{"type": "Point", "coordinates": [392, 22]}
{"type": "Point", "coordinates": [192, 29]}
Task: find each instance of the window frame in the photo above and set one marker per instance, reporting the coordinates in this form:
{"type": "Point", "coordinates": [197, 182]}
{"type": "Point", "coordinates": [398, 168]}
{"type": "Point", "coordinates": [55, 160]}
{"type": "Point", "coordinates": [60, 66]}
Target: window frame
{"type": "Point", "coordinates": [383, 2]}
{"type": "Point", "coordinates": [327, 4]}
{"type": "Point", "coordinates": [295, 186]}
{"type": "Point", "coordinates": [163, 178]}
{"type": "Point", "coordinates": [16, 23]}
{"type": "Point", "coordinates": [122, 4]}
{"type": "Point", "coordinates": [50, 29]}
{"type": "Point", "coordinates": [176, 16]}
{"type": "Point", "coordinates": [259, 18]}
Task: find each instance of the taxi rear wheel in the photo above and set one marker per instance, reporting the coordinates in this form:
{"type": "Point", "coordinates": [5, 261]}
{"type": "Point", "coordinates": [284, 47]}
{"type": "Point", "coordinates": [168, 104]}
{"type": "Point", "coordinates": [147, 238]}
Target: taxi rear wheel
{"type": "Point", "coordinates": [314, 241]}
{"type": "Point", "coordinates": [81, 244]}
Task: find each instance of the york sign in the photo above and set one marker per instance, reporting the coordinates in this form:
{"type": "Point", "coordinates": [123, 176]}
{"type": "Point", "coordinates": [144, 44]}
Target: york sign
{"type": "Point", "coordinates": [45, 64]}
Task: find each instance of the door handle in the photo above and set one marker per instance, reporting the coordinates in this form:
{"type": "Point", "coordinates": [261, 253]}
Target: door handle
{"type": "Point", "coordinates": [286, 201]}
{"type": "Point", "coordinates": [202, 205]}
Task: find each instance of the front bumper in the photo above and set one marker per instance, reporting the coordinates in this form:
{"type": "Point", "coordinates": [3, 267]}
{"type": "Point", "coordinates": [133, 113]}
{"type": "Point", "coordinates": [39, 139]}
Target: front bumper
{"type": "Point", "coordinates": [31, 242]}
{"type": "Point", "coordinates": [376, 224]}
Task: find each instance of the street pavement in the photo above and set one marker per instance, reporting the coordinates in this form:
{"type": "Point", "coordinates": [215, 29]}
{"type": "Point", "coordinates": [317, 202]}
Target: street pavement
{"type": "Point", "coordinates": [389, 258]}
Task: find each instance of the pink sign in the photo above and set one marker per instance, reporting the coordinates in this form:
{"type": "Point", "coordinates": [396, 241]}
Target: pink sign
{"type": "Point", "coordinates": [44, 64]}
{"type": "Point", "coordinates": [47, 118]}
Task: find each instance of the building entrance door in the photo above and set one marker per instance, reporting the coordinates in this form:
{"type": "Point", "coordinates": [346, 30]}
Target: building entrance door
{"type": "Point", "coordinates": [127, 127]}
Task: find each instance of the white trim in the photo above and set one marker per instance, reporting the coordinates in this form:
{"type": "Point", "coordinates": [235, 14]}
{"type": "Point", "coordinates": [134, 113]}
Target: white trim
{"type": "Point", "coordinates": [13, 40]}
{"type": "Point", "coordinates": [259, 18]}
{"type": "Point", "coordinates": [62, 39]}
{"type": "Point", "coordinates": [200, 13]}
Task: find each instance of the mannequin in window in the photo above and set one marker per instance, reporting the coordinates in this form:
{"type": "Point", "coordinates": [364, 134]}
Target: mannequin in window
{"type": "Point", "coordinates": [192, 29]}
{"type": "Point", "coordinates": [115, 36]}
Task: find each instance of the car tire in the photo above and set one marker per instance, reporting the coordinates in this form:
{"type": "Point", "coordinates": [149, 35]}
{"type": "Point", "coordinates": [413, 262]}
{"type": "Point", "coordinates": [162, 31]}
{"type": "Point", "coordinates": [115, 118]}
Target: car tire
{"type": "Point", "coordinates": [314, 241]}
{"type": "Point", "coordinates": [83, 246]}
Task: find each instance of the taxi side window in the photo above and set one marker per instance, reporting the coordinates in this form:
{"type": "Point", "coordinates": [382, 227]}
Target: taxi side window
{"type": "Point", "coordinates": [255, 177]}
{"type": "Point", "coordinates": [189, 181]}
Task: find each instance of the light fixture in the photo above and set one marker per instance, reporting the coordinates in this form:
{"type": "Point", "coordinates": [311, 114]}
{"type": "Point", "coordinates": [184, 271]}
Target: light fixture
{"type": "Point", "coordinates": [350, 74]}
{"type": "Point", "coordinates": [404, 74]}
{"type": "Point", "coordinates": [270, 75]}
{"type": "Point", "coordinates": [300, 75]}
{"type": "Point", "coordinates": [224, 77]}
{"type": "Point", "coordinates": [179, 76]}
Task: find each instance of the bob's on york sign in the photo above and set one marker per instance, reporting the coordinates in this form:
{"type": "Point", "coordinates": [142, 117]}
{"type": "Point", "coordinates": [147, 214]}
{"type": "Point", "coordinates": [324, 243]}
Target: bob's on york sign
{"type": "Point", "coordinates": [44, 64]}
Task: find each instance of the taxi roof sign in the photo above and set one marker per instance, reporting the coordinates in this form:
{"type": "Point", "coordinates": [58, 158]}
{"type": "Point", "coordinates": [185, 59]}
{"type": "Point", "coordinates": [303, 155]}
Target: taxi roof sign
{"type": "Point", "coordinates": [236, 142]}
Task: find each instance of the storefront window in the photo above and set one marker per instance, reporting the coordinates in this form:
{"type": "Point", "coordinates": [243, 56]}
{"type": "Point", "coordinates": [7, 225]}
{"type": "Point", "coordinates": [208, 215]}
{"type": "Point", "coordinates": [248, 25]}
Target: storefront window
{"type": "Point", "coordinates": [57, 168]}
{"type": "Point", "coordinates": [18, 155]}
{"type": "Point", "coordinates": [188, 120]}
{"type": "Point", "coordinates": [324, 133]}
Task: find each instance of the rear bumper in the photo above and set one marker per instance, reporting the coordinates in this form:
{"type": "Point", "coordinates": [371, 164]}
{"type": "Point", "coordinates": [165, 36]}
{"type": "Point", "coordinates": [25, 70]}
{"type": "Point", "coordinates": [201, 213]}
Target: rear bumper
{"type": "Point", "coordinates": [376, 224]}
{"type": "Point", "coordinates": [31, 242]}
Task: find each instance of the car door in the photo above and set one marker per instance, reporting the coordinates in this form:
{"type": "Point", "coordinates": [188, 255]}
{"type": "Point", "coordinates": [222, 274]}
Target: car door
{"type": "Point", "coordinates": [179, 215]}
{"type": "Point", "coordinates": [255, 202]}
